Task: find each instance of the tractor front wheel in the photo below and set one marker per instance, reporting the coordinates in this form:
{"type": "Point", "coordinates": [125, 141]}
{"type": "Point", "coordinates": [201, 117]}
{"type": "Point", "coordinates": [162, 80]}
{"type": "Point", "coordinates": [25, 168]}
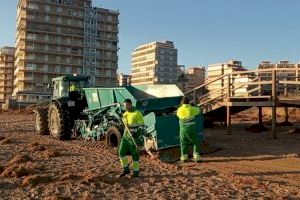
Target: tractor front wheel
{"type": "Point", "coordinates": [59, 122]}
{"type": "Point", "coordinates": [113, 138]}
{"type": "Point", "coordinates": [41, 121]}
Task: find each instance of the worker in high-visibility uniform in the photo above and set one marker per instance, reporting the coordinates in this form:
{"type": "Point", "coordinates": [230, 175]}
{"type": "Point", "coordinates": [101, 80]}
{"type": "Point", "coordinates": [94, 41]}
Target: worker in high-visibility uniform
{"type": "Point", "coordinates": [188, 133]}
{"type": "Point", "coordinates": [73, 87]}
{"type": "Point", "coordinates": [130, 142]}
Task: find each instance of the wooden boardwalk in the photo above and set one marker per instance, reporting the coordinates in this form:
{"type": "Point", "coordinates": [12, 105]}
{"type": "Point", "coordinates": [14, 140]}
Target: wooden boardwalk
{"type": "Point", "coordinates": [283, 91]}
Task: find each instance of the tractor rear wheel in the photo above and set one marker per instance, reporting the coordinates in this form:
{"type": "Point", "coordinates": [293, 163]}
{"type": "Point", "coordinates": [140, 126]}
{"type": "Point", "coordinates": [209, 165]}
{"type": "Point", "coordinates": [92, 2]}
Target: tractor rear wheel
{"type": "Point", "coordinates": [113, 138]}
{"type": "Point", "coordinates": [59, 122]}
{"type": "Point", "coordinates": [41, 121]}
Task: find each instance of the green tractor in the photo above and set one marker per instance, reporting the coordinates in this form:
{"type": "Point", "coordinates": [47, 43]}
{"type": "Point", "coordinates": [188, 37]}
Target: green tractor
{"type": "Point", "coordinates": [96, 113]}
{"type": "Point", "coordinates": [68, 101]}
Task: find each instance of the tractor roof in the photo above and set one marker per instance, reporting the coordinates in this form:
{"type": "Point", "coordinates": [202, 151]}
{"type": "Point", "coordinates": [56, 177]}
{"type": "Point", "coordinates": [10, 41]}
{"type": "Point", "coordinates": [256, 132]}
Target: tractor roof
{"type": "Point", "coordinates": [71, 78]}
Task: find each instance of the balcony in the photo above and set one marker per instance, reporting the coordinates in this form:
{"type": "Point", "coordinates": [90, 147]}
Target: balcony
{"type": "Point", "coordinates": [25, 78]}
{"type": "Point", "coordinates": [16, 81]}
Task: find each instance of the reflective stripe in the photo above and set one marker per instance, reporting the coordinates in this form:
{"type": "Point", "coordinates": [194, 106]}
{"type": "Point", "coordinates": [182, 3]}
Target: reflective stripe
{"type": "Point", "coordinates": [188, 120]}
{"type": "Point", "coordinates": [124, 161]}
{"type": "Point", "coordinates": [136, 166]}
{"type": "Point", "coordinates": [134, 125]}
{"type": "Point", "coordinates": [188, 123]}
{"type": "Point", "coordinates": [184, 157]}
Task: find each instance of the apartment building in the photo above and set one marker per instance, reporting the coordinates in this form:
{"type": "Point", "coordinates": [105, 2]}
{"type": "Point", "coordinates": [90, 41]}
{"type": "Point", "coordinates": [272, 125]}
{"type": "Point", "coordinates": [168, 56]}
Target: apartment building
{"type": "Point", "coordinates": [124, 80]}
{"type": "Point", "coordinates": [59, 37]}
{"type": "Point", "coordinates": [289, 75]}
{"type": "Point", "coordinates": [6, 73]}
{"type": "Point", "coordinates": [154, 63]}
{"type": "Point", "coordinates": [196, 77]}
{"type": "Point", "coordinates": [216, 70]}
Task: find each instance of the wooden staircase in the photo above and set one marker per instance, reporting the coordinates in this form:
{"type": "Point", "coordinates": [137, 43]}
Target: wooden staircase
{"type": "Point", "coordinates": [220, 103]}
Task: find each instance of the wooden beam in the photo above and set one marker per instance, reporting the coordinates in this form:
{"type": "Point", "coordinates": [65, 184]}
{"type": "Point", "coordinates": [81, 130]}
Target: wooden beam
{"type": "Point", "coordinates": [228, 120]}
{"type": "Point", "coordinates": [252, 97]}
{"type": "Point", "coordinates": [290, 82]}
{"type": "Point", "coordinates": [274, 97]}
{"type": "Point", "coordinates": [251, 104]}
{"type": "Point", "coordinates": [264, 70]}
{"type": "Point", "coordinates": [254, 83]}
{"type": "Point", "coordinates": [260, 115]}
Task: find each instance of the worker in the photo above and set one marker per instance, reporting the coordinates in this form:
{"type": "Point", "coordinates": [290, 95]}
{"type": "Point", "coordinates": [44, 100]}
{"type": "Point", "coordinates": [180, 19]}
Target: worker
{"type": "Point", "coordinates": [188, 131]}
{"type": "Point", "coordinates": [131, 140]}
{"type": "Point", "coordinates": [73, 87]}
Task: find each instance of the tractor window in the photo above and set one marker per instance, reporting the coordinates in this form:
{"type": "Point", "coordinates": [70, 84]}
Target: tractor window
{"type": "Point", "coordinates": [80, 84]}
{"type": "Point", "coordinates": [65, 89]}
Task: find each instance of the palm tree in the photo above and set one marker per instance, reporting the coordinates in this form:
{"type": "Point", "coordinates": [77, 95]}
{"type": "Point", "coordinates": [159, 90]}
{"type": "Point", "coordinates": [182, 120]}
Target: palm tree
{"type": "Point", "coordinates": [182, 81]}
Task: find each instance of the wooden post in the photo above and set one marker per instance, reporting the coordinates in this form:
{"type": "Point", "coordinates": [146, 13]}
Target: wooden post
{"type": "Point", "coordinates": [228, 88]}
{"type": "Point", "coordinates": [274, 104]}
{"type": "Point", "coordinates": [285, 93]}
{"type": "Point", "coordinates": [286, 114]}
{"type": "Point", "coordinates": [228, 115]}
{"type": "Point", "coordinates": [228, 120]}
{"type": "Point", "coordinates": [259, 115]}
{"type": "Point", "coordinates": [285, 89]}
{"type": "Point", "coordinates": [297, 73]}
{"type": "Point", "coordinates": [259, 89]}
{"type": "Point", "coordinates": [194, 97]}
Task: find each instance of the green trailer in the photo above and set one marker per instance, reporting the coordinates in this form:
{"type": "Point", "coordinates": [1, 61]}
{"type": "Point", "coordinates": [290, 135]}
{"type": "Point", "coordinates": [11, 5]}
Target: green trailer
{"type": "Point", "coordinates": [158, 104]}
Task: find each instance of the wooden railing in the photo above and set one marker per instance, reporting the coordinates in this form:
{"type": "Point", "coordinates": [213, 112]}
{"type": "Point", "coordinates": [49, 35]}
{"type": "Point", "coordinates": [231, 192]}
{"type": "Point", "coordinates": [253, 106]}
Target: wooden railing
{"type": "Point", "coordinates": [257, 87]}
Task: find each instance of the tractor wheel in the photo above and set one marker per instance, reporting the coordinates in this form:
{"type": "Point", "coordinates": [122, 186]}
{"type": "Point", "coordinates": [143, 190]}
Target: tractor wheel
{"type": "Point", "coordinates": [59, 122]}
{"type": "Point", "coordinates": [41, 121]}
{"type": "Point", "coordinates": [113, 139]}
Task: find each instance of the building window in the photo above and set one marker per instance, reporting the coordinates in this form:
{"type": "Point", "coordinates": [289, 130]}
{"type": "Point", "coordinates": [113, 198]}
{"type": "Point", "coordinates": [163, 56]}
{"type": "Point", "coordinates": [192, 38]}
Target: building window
{"type": "Point", "coordinates": [57, 69]}
{"type": "Point", "coordinates": [46, 38]}
{"type": "Point", "coordinates": [70, 2]}
{"type": "Point", "coordinates": [47, 8]}
{"type": "Point", "coordinates": [32, 6]}
{"type": "Point", "coordinates": [59, 9]}
{"type": "Point", "coordinates": [45, 68]}
{"type": "Point", "coordinates": [68, 70]}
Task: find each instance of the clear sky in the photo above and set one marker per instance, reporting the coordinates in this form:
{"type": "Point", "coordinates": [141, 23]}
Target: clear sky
{"type": "Point", "coordinates": [204, 31]}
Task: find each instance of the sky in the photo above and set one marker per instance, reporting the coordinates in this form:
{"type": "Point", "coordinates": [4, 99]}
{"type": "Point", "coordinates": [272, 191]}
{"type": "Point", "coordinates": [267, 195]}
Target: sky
{"type": "Point", "coordinates": [203, 31]}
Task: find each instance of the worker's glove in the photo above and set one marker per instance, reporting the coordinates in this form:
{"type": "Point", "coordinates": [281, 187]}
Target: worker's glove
{"type": "Point", "coordinates": [142, 130]}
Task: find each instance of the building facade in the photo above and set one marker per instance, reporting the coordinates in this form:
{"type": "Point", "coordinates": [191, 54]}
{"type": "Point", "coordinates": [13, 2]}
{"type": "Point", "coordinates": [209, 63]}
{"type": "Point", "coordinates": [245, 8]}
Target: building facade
{"type": "Point", "coordinates": [196, 77]}
{"type": "Point", "coordinates": [285, 74]}
{"type": "Point", "coordinates": [6, 73]}
{"type": "Point", "coordinates": [216, 70]}
{"type": "Point", "coordinates": [59, 37]}
{"type": "Point", "coordinates": [124, 80]}
{"type": "Point", "coordinates": [154, 63]}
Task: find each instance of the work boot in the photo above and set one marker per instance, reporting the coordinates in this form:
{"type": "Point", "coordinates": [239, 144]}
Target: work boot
{"type": "Point", "coordinates": [198, 160]}
{"type": "Point", "coordinates": [125, 172]}
{"type": "Point", "coordinates": [135, 174]}
{"type": "Point", "coordinates": [183, 161]}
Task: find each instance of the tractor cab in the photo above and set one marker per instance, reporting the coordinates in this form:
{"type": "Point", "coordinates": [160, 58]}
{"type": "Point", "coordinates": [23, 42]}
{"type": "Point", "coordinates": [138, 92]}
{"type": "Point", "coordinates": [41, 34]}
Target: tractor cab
{"type": "Point", "coordinates": [69, 86]}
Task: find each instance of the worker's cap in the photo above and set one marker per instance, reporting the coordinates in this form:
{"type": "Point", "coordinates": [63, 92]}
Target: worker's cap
{"type": "Point", "coordinates": [128, 101]}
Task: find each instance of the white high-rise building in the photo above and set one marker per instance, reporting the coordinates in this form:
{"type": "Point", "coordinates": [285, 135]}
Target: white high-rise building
{"type": "Point", "coordinates": [154, 63]}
